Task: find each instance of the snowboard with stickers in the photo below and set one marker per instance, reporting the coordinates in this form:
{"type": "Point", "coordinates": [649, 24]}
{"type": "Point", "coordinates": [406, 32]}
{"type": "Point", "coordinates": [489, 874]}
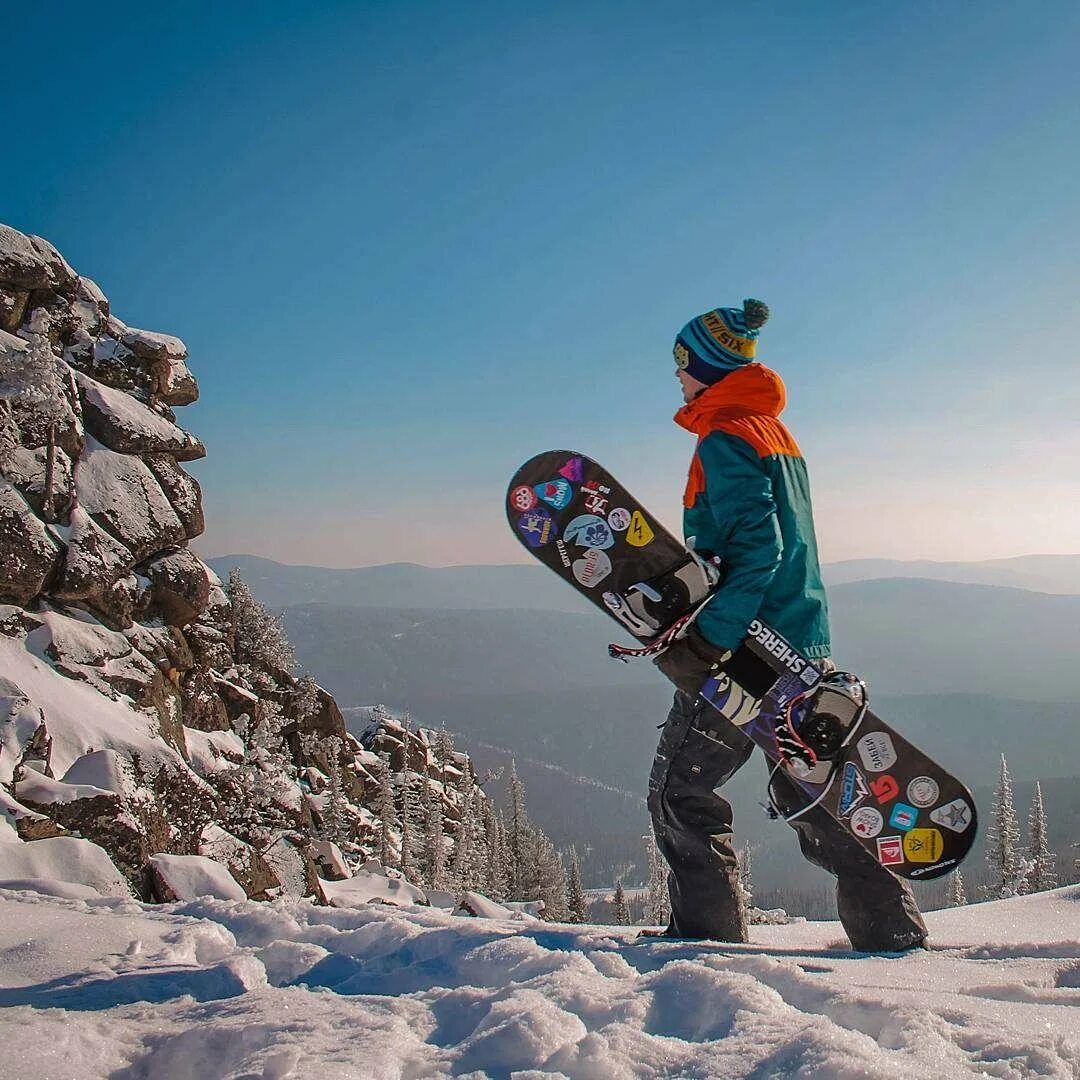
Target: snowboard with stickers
{"type": "Point", "coordinates": [912, 815]}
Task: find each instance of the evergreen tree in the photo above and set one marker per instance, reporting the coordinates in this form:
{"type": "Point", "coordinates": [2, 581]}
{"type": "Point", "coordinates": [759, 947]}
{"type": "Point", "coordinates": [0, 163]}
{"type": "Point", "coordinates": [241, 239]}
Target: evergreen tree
{"type": "Point", "coordinates": [1002, 841]}
{"type": "Point", "coordinates": [259, 638]}
{"type": "Point", "coordinates": [957, 894]}
{"type": "Point", "coordinates": [434, 841]}
{"type": "Point", "coordinates": [577, 908]}
{"type": "Point", "coordinates": [408, 813]}
{"type": "Point", "coordinates": [658, 900]}
{"type": "Point", "coordinates": [500, 859]}
{"type": "Point", "coordinates": [1042, 874]}
{"type": "Point", "coordinates": [385, 811]}
{"type": "Point", "coordinates": [621, 909]}
{"type": "Point", "coordinates": [334, 820]}
{"type": "Point", "coordinates": [306, 698]}
{"type": "Point", "coordinates": [518, 835]}
{"type": "Point", "coordinates": [495, 871]}
{"type": "Point", "coordinates": [744, 882]}
{"type": "Point", "coordinates": [552, 889]}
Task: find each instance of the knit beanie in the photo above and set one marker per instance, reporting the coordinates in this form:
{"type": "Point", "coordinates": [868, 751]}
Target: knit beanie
{"type": "Point", "coordinates": [718, 342]}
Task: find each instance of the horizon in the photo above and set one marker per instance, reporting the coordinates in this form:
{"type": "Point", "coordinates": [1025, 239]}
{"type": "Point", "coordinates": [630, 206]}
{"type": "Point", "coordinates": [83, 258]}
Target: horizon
{"type": "Point", "coordinates": [532, 562]}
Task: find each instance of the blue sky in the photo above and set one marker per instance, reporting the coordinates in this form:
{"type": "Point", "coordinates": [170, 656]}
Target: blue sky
{"type": "Point", "coordinates": [411, 244]}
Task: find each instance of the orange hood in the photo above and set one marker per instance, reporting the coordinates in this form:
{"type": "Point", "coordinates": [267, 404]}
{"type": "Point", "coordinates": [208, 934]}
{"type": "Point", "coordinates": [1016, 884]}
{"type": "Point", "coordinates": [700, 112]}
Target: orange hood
{"type": "Point", "coordinates": [753, 390]}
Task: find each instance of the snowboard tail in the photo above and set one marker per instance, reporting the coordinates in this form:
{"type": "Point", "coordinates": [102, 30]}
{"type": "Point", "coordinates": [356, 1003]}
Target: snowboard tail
{"type": "Point", "coordinates": [910, 814]}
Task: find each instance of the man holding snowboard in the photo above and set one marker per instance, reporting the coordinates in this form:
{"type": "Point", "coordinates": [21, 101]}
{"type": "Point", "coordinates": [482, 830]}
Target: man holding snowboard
{"type": "Point", "coordinates": [747, 501]}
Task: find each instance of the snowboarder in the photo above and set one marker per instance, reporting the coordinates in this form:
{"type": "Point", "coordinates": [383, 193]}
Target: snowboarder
{"type": "Point", "coordinates": [747, 500]}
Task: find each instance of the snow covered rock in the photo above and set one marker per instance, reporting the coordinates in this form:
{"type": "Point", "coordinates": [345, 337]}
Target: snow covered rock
{"type": "Point", "coordinates": [121, 422]}
{"type": "Point", "coordinates": [28, 555]}
{"type": "Point", "coordinates": [480, 907]}
{"type": "Point", "coordinates": [17, 822]}
{"type": "Point", "coordinates": [29, 262]}
{"type": "Point", "coordinates": [43, 477]}
{"type": "Point", "coordinates": [187, 877]}
{"type": "Point", "coordinates": [63, 858]}
{"type": "Point", "coordinates": [367, 888]}
{"type": "Point", "coordinates": [124, 498]}
{"type": "Point", "coordinates": [182, 491]}
{"type": "Point", "coordinates": [180, 587]}
{"type": "Point", "coordinates": [153, 346]}
{"type": "Point", "coordinates": [330, 861]}
{"type": "Point", "coordinates": [36, 386]}
{"type": "Point", "coordinates": [248, 867]}
{"type": "Point", "coordinates": [94, 562]}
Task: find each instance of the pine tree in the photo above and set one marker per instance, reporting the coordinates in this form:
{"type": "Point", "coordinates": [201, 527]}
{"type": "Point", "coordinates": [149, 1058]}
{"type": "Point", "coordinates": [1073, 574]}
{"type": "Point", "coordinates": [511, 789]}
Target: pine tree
{"type": "Point", "coordinates": [334, 821]}
{"type": "Point", "coordinates": [744, 882]}
{"type": "Point", "coordinates": [259, 638]}
{"type": "Point", "coordinates": [499, 873]}
{"type": "Point", "coordinates": [957, 894]}
{"type": "Point", "coordinates": [577, 908]}
{"type": "Point", "coordinates": [306, 698]}
{"type": "Point", "coordinates": [620, 908]}
{"type": "Point", "coordinates": [385, 812]}
{"type": "Point", "coordinates": [518, 832]}
{"type": "Point", "coordinates": [552, 882]}
{"type": "Point", "coordinates": [658, 901]}
{"type": "Point", "coordinates": [1042, 874]}
{"type": "Point", "coordinates": [434, 841]}
{"type": "Point", "coordinates": [408, 856]}
{"type": "Point", "coordinates": [1002, 841]}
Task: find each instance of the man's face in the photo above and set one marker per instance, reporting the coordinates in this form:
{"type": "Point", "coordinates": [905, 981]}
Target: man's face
{"type": "Point", "coordinates": [690, 386]}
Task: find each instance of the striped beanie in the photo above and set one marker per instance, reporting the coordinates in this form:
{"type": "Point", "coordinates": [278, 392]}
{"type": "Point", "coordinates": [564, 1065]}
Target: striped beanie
{"type": "Point", "coordinates": [713, 344]}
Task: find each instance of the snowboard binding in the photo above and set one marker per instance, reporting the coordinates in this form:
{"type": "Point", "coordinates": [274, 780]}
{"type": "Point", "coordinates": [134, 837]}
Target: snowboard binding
{"type": "Point", "coordinates": [653, 605]}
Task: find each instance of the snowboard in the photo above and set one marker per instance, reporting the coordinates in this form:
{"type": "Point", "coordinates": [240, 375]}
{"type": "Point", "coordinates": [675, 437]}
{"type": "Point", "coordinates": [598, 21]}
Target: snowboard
{"type": "Point", "coordinates": [913, 816]}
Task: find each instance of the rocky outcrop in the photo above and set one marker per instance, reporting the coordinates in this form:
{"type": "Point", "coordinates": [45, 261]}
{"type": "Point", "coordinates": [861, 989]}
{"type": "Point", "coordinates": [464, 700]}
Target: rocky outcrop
{"type": "Point", "coordinates": [144, 706]}
{"type": "Point", "coordinates": [28, 555]}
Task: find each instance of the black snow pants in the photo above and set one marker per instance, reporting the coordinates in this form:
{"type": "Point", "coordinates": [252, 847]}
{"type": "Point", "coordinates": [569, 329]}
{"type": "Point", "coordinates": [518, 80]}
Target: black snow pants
{"type": "Point", "coordinates": [700, 751]}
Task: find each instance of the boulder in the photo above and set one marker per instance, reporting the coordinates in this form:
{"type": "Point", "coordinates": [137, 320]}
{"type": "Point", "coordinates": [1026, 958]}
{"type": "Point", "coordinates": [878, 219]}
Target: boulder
{"type": "Point", "coordinates": [173, 382]}
{"type": "Point", "coordinates": [63, 858]}
{"type": "Point", "coordinates": [246, 865]}
{"type": "Point", "coordinates": [36, 386]}
{"type": "Point", "coordinates": [121, 422]}
{"type": "Point", "coordinates": [187, 877]}
{"type": "Point", "coordinates": [94, 562]}
{"type": "Point", "coordinates": [23, 824]}
{"type": "Point", "coordinates": [28, 470]}
{"type": "Point", "coordinates": [12, 308]}
{"type": "Point", "coordinates": [122, 496]}
{"type": "Point", "coordinates": [202, 708]}
{"type": "Point", "coordinates": [182, 491]}
{"type": "Point", "coordinates": [329, 860]}
{"type": "Point", "coordinates": [29, 262]}
{"type": "Point", "coordinates": [179, 586]}
{"type": "Point", "coordinates": [28, 555]}
{"type": "Point", "coordinates": [152, 346]}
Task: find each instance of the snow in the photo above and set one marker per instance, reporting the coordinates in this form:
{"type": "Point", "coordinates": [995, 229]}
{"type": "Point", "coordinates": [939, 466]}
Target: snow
{"type": "Point", "coordinates": [104, 769]}
{"type": "Point", "coordinates": [63, 858]}
{"type": "Point", "coordinates": [78, 718]}
{"type": "Point", "coordinates": [213, 751]}
{"type": "Point", "coordinates": [144, 431]}
{"type": "Point", "coordinates": [192, 876]}
{"type": "Point", "coordinates": [289, 989]}
{"type": "Point", "coordinates": [36, 788]}
{"type": "Point", "coordinates": [366, 888]}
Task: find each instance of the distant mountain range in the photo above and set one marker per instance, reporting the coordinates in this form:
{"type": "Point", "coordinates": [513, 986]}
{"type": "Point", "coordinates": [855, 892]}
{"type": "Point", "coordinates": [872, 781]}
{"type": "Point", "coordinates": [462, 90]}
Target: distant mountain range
{"type": "Point", "coordinates": [407, 585]}
{"type": "Point", "coordinates": [1040, 573]}
{"type": "Point", "coordinates": [969, 671]}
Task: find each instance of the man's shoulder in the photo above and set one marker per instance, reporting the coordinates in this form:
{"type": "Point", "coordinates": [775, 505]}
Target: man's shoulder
{"type": "Point", "coordinates": [766, 436]}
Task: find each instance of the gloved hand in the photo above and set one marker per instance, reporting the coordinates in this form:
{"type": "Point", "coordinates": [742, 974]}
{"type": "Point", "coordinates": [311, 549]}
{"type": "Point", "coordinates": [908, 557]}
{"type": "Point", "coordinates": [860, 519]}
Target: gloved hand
{"type": "Point", "coordinates": [691, 660]}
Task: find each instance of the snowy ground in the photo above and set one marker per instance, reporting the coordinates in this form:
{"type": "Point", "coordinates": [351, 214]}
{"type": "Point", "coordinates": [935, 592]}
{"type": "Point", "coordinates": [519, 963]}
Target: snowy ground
{"type": "Point", "coordinates": [215, 988]}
